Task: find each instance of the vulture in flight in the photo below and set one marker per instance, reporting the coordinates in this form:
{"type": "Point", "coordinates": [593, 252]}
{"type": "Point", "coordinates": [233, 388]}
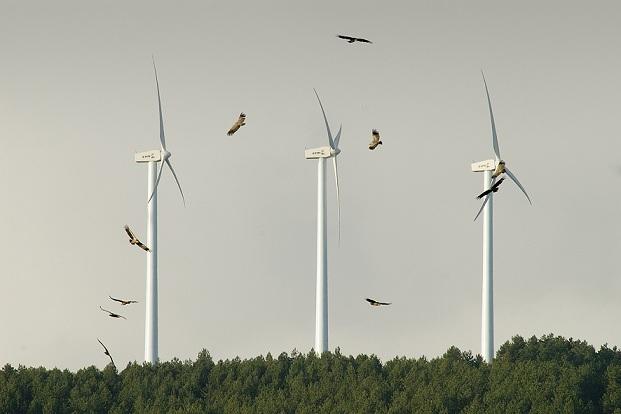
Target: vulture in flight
{"type": "Point", "coordinates": [241, 121]}
{"type": "Point", "coordinates": [493, 189]}
{"type": "Point", "coordinates": [353, 39]}
{"type": "Point", "coordinates": [123, 302]}
{"type": "Point", "coordinates": [375, 140]}
{"type": "Point", "coordinates": [376, 303]}
{"type": "Point", "coordinates": [112, 314]}
{"type": "Point", "coordinates": [107, 353]}
{"type": "Point", "coordinates": [134, 240]}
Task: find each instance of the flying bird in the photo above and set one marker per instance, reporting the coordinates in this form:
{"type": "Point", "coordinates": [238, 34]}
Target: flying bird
{"type": "Point", "coordinates": [353, 39]}
{"type": "Point", "coordinates": [134, 240]}
{"type": "Point", "coordinates": [112, 314]}
{"type": "Point", "coordinates": [123, 302]}
{"type": "Point", "coordinates": [107, 352]}
{"type": "Point", "coordinates": [241, 121]}
{"type": "Point", "coordinates": [375, 140]}
{"type": "Point", "coordinates": [376, 303]}
{"type": "Point", "coordinates": [493, 189]}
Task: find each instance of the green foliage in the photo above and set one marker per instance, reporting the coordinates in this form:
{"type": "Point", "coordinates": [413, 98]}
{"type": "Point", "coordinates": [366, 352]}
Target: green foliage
{"type": "Point", "coordinates": [539, 375]}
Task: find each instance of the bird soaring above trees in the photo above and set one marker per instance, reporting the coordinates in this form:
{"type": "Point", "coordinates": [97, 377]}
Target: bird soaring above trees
{"type": "Point", "coordinates": [134, 240]}
{"type": "Point", "coordinates": [376, 303]}
{"type": "Point", "coordinates": [353, 39]}
{"type": "Point", "coordinates": [107, 353]}
{"type": "Point", "coordinates": [375, 140]}
{"type": "Point", "coordinates": [112, 314]}
{"type": "Point", "coordinates": [493, 189]}
{"type": "Point", "coordinates": [241, 121]}
{"type": "Point", "coordinates": [123, 302]}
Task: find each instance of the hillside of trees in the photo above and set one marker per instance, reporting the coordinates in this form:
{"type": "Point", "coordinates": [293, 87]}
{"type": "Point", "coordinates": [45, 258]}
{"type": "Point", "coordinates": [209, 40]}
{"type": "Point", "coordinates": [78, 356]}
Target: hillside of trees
{"type": "Point", "coordinates": [550, 374]}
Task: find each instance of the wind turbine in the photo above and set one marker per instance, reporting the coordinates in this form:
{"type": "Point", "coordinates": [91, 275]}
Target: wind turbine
{"type": "Point", "coordinates": [321, 303]}
{"type": "Point", "coordinates": [492, 169]}
{"type": "Point", "coordinates": [161, 155]}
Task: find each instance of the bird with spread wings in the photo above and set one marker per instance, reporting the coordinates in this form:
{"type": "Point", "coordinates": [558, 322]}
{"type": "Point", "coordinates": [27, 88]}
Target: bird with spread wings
{"type": "Point", "coordinates": [353, 39]}
{"type": "Point", "coordinates": [373, 302]}
{"type": "Point", "coordinates": [241, 121]}
{"type": "Point", "coordinates": [134, 240]}
{"type": "Point", "coordinates": [112, 314]}
{"type": "Point", "coordinates": [493, 189]}
{"type": "Point", "coordinates": [122, 301]}
{"type": "Point", "coordinates": [375, 140]}
{"type": "Point", "coordinates": [106, 352]}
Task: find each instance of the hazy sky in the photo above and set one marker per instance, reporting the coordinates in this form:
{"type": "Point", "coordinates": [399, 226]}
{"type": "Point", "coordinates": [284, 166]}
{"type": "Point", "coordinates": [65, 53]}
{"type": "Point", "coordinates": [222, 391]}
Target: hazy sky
{"type": "Point", "coordinates": [237, 264]}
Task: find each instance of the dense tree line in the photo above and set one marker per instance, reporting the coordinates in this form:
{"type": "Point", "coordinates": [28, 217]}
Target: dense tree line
{"type": "Point", "coordinates": [539, 375]}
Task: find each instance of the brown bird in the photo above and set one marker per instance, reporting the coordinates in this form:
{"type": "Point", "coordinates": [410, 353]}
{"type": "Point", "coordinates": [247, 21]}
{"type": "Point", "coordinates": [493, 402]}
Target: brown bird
{"type": "Point", "coordinates": [123, 302]}
{"type": "Point", "coordinates": [353, 39]}
{"type": "Point", "coordinates": [376, 303]}
{"type": "Point", "coordinates": [493, 189]}
{"type": "Point", "coordinates": [241, 121]}
{"type": "Point", "coordinates": [134, 240]}
{"type": "Point", "coordinates": [112, 314]}
{"type": "Point", "coordinates": [107, 353]}
{"type": "Point", "coordinates": [375, 140]}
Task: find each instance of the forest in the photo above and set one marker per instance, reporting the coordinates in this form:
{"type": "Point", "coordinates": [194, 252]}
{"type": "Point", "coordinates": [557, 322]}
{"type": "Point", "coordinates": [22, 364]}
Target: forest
{"type": "Point", "coordinates": [550, 374]}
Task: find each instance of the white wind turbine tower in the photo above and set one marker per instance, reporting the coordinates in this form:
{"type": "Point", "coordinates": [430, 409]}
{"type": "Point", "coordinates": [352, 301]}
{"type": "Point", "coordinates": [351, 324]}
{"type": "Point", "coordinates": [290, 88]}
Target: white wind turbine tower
{"type": "Point", "coordinates": [492, 169]}
{"type": "Point", "coordinates": [321, 304]}
{"type": "Point", "coordinates": [152, 158]}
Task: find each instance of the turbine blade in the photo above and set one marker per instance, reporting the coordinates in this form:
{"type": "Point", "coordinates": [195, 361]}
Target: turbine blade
{"type": "Point", "coordinates": [515, 180]}
{"type": "Point", "coordinates": [159, 103]}
{"type": "Point", "coordinates": [486, 199]}
{"type": "Point", "coordinates": [325, 119]}
{"type": "Point", "coordinates": [157, 182]}
{"type": "Point", "coordinates": [491, 115]}
{"type": "Point", "coordinates": [338, 137]}
{"type": "Point", "coordinates": [338, 196]}
{"type": "Point", "coordinates": [175, 175]}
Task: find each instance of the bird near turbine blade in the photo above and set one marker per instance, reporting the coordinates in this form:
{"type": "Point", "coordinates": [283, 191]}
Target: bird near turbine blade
{"type": "Point", "coordinates": [157, 182]}
{"type": "Point", "coordinates": [175, 175]}
{"type": "Point", "coordinates": [326, 120]}
{"type": "Point", "coordinates": [338, 137]}
{"type": "Point", "coordinates": [159, 103]}
{"type": "Point", "coordinates": [515, 180]}
{"type": "Point", "coordinates": [338, 196]}
{"type": "Point", "coordinates": [491, 116]}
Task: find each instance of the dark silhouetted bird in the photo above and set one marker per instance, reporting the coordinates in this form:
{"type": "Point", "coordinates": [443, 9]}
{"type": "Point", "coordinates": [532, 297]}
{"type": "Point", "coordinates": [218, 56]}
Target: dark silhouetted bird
{"type": "Point", "coordinates": [493, 189]}
{"type": "Point", "coordinates": [241, 121]}
{"type": "Point", "coordinates": [375, 140]}
{"type": "Point", "coordinates": [123, 302]}
{"type": "Point", "coordinates": [376, 303]}
{"type": "Point", "coordinates": [134, 240]}
{"type": "Point", "coordinates": [353, 39]}
{"type": "Point", "coordinates": [107, 352]}
{"type": "Point", "coordinates": [112, 314]}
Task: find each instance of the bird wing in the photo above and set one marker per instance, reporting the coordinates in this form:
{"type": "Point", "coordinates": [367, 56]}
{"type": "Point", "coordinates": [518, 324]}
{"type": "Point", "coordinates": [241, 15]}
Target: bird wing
{"type": "Point", "coordinates": [375, 137]}
{"type": "Point", "coordinates": [346, 37]}
{"type": "Point", "coordinates": [114, 299]}
{"type": "Point", "coordinates": [497, 183]}
{"type": "Point", "coordinates": [484, 193]}
{"type": "Point", "coordinates": [385, 303]}
{"type": "Point", "coordinates": [142, 246]}
{"type": "Point", "coordinates": [129, 232]}
{"type": "Point", "coordinates": [105, 310]}
{"type": "Point", "coordinates": [371, 301]}
{"type": "Point", "coordinates": [104, 347]}
{"type": "Point", "coordinates": [235, 126]}
{"type": "Point", "coordinates": [359, 39]}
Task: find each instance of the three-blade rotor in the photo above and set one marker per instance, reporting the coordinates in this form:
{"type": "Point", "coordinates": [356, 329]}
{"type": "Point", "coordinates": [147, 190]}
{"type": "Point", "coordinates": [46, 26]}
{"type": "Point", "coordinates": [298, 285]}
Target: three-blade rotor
{"type": "Point", "coordinates": [500, 164]}
{"type": "Point", "coordinates": [335, 150]}
{"type": "Point", "coordinates": [165, 154]}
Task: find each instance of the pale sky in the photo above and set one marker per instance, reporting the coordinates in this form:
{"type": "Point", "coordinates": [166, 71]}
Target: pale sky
{"type": "Point", "coordinates": [237, 264]}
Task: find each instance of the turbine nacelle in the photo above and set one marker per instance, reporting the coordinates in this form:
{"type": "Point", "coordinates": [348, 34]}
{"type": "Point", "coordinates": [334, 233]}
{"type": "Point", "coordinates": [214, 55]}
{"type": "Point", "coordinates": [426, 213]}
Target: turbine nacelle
{"type": "Point", "coordinates": [321, 152]}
